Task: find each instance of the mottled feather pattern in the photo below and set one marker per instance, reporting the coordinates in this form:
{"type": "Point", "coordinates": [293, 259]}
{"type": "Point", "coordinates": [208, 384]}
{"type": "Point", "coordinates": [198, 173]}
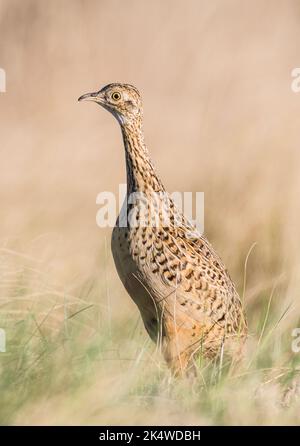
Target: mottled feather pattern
{"type": "Point", "coordinates": [187, 300]}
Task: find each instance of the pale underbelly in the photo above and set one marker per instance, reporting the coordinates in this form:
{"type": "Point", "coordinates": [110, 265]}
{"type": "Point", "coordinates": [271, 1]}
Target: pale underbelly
{"type": "Point", "coordinates": [133, 281]}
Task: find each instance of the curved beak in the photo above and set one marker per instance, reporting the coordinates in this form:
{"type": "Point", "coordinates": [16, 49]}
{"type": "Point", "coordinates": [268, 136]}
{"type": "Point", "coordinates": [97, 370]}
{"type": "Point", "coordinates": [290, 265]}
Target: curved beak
{"type": "Point", "coordinates": [95, 97]}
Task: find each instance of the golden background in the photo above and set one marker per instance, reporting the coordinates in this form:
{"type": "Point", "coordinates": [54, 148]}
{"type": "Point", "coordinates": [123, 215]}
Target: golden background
{"type": "Point", "coordinates": [219, 117]}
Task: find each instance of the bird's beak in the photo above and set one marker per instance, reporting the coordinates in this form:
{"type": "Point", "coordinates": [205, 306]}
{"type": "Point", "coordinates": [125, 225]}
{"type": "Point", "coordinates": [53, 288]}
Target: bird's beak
{"type": "Point", "coordinates": [95, 97]}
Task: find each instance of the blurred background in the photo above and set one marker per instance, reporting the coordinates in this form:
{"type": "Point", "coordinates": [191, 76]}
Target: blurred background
{"type": "Point", "coordinates": [219, 116]}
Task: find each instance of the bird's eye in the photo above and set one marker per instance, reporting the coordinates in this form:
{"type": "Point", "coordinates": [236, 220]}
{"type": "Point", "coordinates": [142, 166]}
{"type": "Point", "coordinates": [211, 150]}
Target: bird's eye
{"type": "Point", "coordinates": [116, 96]}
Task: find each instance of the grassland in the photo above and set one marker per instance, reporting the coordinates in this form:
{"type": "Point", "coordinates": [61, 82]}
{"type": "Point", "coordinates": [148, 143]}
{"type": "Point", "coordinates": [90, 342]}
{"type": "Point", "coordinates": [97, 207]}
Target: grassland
{"type": "Point", "coordinates": [77, 360]}
{"type": "Point", "coordinates": [220, 117]}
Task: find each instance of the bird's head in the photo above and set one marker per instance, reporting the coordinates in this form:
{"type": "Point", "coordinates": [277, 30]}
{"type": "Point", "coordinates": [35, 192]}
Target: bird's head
{"type": "Point", "coordinates": [122, 100]}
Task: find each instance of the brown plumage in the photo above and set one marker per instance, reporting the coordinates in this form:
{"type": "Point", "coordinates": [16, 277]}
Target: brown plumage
{"type": "Point", "coordinates": [185, 295]}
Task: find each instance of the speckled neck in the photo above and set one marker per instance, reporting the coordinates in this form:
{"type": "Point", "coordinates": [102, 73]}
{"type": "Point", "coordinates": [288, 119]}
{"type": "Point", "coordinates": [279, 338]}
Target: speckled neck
{"type": "Point", "coordinates": [141, 175]}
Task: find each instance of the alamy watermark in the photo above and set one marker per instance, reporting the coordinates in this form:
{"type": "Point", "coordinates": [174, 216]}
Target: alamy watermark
{"type": "Point", "coordinates": [2, 81]}
{"type": "Point", "coordinates": [2, 341]}
{"type": "Point", "coordinates": [151, 209]}
{"type": "Point", "coordinates": [295, 85]}
{"type": "Point", "coordinates": [296, 341]}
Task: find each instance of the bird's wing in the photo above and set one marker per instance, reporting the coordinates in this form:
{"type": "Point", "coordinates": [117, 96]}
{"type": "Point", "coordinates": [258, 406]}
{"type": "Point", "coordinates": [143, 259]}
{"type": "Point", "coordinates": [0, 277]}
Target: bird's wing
{"type": "Point", "coordinates": [197, 277]}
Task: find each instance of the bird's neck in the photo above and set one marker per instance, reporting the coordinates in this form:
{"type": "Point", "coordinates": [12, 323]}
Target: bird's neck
{"type": "Point", "coordinates": [141, 175]}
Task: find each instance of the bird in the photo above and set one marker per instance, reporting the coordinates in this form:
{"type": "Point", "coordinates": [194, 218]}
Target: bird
{"type": "Point", "coordinates": [187, 300]}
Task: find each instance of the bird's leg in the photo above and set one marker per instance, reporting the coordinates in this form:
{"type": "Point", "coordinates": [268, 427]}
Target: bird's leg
{"type": "Point", "coordinates": [181, 362]}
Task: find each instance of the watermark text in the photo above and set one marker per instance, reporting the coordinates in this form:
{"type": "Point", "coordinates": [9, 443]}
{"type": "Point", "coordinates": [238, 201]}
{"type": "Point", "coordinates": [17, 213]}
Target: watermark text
{"type": "Point", "coordinates": [296, 341]}
{"type": "Point", "coordinates": [151, 209]}
{"type": "Point", "coordinates": [2, 341]}
{"type": "Point", "coordinates": [2, 81]}
{"type": "Point", "coordinates": [295, 85]}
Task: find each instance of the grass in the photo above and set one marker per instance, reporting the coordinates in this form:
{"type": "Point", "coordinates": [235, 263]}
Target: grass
{"type": "Point", "coordinates": [66, 363]}
{"type": "Point", "coordinates": [220, 117]}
